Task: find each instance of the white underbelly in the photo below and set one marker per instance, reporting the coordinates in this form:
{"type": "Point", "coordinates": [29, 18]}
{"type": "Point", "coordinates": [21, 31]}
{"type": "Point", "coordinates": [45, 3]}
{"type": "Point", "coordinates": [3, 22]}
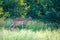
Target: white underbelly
{"type": "Point", "coordinates": [20, 22]}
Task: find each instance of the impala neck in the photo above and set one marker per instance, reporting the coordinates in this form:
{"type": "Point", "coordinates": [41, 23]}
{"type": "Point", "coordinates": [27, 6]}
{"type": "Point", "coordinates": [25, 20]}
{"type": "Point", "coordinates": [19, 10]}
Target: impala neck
{"type": "Point", "coordinates": [28, 19]}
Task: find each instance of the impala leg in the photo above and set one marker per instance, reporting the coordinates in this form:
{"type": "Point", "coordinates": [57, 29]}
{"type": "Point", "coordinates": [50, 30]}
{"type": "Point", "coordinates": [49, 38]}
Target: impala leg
{"type": "Point", "coordinates": [12, 26]}
{"type": "Point", "coordinates": [22, 25]}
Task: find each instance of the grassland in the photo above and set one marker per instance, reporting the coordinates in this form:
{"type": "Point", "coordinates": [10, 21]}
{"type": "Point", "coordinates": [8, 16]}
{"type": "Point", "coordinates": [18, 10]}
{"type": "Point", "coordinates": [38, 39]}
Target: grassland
{"type": "Point", "coordinates": [34, 30]}
{"type": "Point", "coordinates": [30, 35]}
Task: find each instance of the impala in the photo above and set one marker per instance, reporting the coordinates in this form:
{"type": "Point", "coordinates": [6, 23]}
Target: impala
{"type": "Point", "coordinates": [20, 21]}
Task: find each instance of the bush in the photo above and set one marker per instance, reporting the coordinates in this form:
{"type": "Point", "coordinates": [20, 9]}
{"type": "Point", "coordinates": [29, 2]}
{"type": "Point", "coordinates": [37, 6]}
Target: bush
{"type": "Point", "coordinates": [34, 25]}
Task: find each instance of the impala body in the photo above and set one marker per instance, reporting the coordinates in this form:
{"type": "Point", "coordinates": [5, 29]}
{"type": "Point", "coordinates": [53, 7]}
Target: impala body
{"type": "Point", "coordinates": [20, 21]}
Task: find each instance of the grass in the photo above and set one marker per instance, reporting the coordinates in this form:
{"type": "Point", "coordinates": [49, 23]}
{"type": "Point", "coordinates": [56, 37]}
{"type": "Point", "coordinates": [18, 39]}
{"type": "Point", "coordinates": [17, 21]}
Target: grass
{"type": "Point", "coordinates": [30, 35]}
{"type": "Point", "coordinates": [1, 34]}
{"type": "Point", "coordinates": [34, 30]}
{"type": "Point", "coordinates": [34, 25]}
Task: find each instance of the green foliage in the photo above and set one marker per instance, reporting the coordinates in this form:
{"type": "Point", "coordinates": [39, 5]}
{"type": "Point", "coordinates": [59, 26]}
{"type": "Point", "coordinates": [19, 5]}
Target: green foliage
{"type": "Point", "coordinates": [33, 25]}
{"type": "Point", "coordinates": [2, 23]}
{"type": "Point", "coordinates": [45, 10]}
{"type": "Point", "coordinates": [40, 25]}
{"type": "Point", "coordinates": [8, 23]}
{"type": "Point", "coordinates": [38, 9]}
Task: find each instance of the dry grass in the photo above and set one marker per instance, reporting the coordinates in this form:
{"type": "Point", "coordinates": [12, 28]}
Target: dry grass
{"type": "Point", "coordinates": [30, 35]}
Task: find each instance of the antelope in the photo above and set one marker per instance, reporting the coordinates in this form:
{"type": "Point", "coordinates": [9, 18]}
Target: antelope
{"type": "Point", "coordinates": [21, 21]}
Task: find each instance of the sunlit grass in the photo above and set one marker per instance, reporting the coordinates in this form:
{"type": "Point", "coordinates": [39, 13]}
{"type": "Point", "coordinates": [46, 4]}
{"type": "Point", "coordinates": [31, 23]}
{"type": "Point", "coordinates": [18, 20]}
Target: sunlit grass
{"type": "Point", "coordinates": [34, 30]}
{"type": "Point", "coordinates": [30, 35]}
{"type": "Point", "coordinates": [1, 34]}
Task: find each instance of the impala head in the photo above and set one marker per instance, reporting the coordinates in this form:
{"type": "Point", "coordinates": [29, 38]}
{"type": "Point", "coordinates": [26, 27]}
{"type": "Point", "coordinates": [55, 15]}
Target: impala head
{"type": "Point", "coordinates": [29, 18]}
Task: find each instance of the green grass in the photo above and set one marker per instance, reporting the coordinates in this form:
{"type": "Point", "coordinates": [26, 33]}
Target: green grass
{"type": "Point", "coordinates": [1, 34]}
{"type": "Point", "coordinates": [34, 30]}
{"type": "Point", "coordinates": [34, 25]}
{"type": "Point", "coordinates": [30, 35]}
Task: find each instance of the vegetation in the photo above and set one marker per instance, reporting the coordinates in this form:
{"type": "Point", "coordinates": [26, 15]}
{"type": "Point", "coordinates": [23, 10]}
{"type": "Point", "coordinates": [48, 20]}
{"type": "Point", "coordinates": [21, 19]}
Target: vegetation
{"type": "Point", "coordinates": [45, 23]}
{"type": "Point", "coordinates": [48, 10]}
{"type": "Point", "coordinates": [34, 25]}
{"type": "Point", "coordinates": [30, 35]}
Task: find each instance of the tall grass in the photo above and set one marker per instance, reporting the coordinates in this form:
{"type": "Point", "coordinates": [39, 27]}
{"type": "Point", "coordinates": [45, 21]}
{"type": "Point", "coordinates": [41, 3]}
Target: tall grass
{"type": "Point", "coordinates": [31, 25]}
{"type": "Point", "coordinates": [34, 30]}
{"type": "Point", "coordinates": [30, 35]}
{"type": "Point", "coordinates": [1, 34]}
